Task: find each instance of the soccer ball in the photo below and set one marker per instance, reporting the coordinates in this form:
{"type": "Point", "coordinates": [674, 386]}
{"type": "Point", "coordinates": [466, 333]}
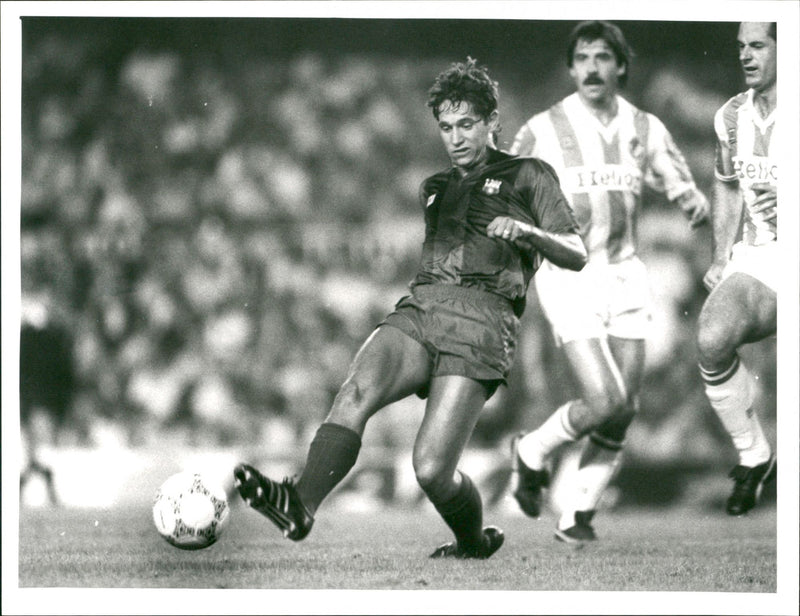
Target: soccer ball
{"type": "Point", "coordinates": [190, 511]}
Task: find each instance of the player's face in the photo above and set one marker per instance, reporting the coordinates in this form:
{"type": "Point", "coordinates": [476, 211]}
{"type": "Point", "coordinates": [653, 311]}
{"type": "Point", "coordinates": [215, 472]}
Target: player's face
{"type": "Point", "coordinates": [595, 71]}
{"type": "Point", "coordinates": [465, 134]}
{"type": "Point", "coordinates": [757, 53]}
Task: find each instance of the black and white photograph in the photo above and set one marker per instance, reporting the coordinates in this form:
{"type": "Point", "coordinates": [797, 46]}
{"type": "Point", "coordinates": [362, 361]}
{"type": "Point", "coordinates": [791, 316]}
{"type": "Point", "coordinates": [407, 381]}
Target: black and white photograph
{"type": "Point", "coordinates": [239, 241]}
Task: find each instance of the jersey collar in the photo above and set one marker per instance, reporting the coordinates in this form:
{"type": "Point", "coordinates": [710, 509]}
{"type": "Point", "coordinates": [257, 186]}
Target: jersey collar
{"type": "Point", "coordinates": [762, 123]}
{"type": "Point", "coordinates": [607, 132]}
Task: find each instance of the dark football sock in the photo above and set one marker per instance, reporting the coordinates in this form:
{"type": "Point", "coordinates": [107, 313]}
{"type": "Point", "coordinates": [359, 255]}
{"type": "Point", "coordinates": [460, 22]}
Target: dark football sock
{"type": "Point", "coordinates": [332, 454]}
{"type": "Point", "coordinates": [463, 513]}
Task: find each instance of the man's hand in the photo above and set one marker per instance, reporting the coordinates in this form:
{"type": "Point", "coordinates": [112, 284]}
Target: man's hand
{"type": "Point", "coordinates": [713, 275]}
{"type": "Point", "coordinates": [507, 228]}
{"type": "Point", "coordinates": [766, 204]}
{"type": "Point", "coordinates": [562, 249]}
{"type": "Point", "coordinates": [695, 205]}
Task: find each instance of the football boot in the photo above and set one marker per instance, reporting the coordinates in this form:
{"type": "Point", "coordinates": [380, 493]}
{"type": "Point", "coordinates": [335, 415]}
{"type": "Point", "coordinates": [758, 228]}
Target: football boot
{"type": "Point", "coordinates": [492, 540]}
{"type": "Point", "coordinates": [748, 483]}
{"type": "Point", "coordinates": [280, 502]}
{"type": "Point", "coordinates": [581, 532]}
{"type": "Point", "coordinates": [527, 482]}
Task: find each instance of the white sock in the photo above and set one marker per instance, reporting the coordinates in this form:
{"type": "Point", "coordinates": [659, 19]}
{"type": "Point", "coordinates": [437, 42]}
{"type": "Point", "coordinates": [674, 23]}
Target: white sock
{"type": "Point", "coordinates": [567, 519]}
{"type": "Point", "coordinates": [535, 446]}
{"type": "Point", "coordinates": [731, 395]}
{"type": "Point", "coordinates": [598, 466]}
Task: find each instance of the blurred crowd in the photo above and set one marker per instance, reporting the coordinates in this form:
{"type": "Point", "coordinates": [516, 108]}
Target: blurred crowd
{"type": "Point", "coordinates": [218, 236]}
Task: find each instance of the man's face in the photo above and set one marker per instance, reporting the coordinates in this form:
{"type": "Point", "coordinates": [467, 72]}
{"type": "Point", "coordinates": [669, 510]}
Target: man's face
{"type": "Point", "coordinates": [757, 53]}
{"type": "Point", "coordinates": [595, 70]}
{"type": "Point", "coordinates": [465, 134]}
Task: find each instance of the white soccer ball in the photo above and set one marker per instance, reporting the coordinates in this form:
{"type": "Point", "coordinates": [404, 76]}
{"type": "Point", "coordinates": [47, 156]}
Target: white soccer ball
{"type": "Point", "coordinates": [190, 511]}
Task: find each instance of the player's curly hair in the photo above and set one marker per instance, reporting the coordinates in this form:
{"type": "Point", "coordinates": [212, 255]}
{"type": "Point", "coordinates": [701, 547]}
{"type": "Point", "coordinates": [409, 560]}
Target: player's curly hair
{"type": "Point", "coordinates": [611, 34]}
{"type": "Point", "coordinates": [465, 82]}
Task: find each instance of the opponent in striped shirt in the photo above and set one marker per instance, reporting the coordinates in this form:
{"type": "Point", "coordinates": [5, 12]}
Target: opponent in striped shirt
{"type": "Point", "coordinates": [742, 305]}
{"type": "Point", "coordinates": [604, 150]}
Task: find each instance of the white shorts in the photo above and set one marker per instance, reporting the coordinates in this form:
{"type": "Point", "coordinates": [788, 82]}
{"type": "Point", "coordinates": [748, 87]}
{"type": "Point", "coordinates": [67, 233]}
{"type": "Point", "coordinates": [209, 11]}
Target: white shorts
{"type": "Point", "coordinates": [760, 262]}
{"type": "Point", "coordinates": [601, 300]}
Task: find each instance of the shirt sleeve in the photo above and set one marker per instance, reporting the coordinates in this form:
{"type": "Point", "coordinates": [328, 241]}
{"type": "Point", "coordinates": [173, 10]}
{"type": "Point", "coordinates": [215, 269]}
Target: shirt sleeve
{"type": "Point", "coordinates": [546, 200]}
{"type": "Point", "coordinates": [423, 194]}
{"type": "Point", "coordinates": [667, 172]}
{"type": "Point", "coordinates": [723, 164]}
{"type": "Point", "coordinates": [429, 189]}
{"type": "Point", "coordinates": [524, 141]}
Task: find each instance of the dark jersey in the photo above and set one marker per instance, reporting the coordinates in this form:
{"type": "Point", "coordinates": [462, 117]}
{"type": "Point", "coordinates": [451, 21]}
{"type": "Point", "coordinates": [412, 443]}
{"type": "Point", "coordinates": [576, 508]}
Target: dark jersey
{"type": "Point", "coordinates": [458, 209]}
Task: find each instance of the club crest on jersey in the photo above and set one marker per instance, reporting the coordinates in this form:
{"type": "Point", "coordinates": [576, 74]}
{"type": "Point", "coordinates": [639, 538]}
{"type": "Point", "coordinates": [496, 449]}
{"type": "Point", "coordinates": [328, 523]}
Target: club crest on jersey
{"type": "Point", "coordinates": [637, 150]}
{"type": "Point", "coordinates": [491, 187]}
{"type": "Point", "coordinates": [431, 199]}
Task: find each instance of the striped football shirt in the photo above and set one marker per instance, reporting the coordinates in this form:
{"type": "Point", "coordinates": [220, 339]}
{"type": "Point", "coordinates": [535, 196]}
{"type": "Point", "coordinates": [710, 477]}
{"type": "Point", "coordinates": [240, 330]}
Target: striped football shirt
{"type": "Point", "coordinates": [602, 168]}
{"type": "Point", "coordinates": [743, 156]}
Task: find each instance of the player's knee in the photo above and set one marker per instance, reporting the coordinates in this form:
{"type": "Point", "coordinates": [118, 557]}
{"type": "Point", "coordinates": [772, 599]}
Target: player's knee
{"type": "Point", "coordinates": [432, 476]}
{"type": "Point", "coordinates": [715, 345]}
{"type": "Point", "coordinates": [609, 404]}
{"type": "Point", "coordinates": [722, 326]}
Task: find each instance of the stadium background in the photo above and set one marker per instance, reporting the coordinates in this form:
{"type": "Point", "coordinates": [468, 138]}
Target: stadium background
{"type": "Point", "coordinates": [219, 211]}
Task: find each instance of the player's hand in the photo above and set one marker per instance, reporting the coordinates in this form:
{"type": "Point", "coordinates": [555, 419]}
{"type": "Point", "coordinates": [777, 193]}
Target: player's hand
{"type": "Point", "coordinates": [766, 204]}
{"type": "Point", "coordinates": [713, 275]}
{"type": "Point", "coordinates": [695, 205]}
{"type": "Point", "coordinates": [507, 228]}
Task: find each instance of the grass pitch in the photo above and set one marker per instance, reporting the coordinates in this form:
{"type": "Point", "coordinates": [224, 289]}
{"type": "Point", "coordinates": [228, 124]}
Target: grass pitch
{"type": "Point", "coordinates": [638, 550]}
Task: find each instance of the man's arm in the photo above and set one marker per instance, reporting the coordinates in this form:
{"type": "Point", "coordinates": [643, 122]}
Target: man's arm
{"type": "Point", "coordinates": [766, 205]}
{"type": "Point", "coordinates": [669, 173]}
{"type": "Point", "coordinates": [562, 249]}
{"type": "Point", "coordinates": [726, 216]}
{"type": "Point", "coordinates": [695, 205]}
{"type": "Point", "coordinates": [549, 227]}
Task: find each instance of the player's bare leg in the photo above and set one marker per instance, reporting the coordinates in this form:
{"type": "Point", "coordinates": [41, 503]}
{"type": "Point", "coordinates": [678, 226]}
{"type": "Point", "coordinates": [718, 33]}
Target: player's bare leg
{"type": "Point", "coordinates": [389, 366]}
{"type": "Point", "coordinates": [739, 310]}
{"type": "Point", "coordinates": [603, 396]}
{"type": "Point", "coordinates": [602, 452]}
{"type": "Point", "coordinates": [452, 410]}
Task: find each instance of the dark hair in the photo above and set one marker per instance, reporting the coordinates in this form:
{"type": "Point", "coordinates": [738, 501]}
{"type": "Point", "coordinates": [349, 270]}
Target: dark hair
{"type": "Point", "coordinates": [611, 34]}
{"type": "Point", "coordinates": [465, 82]}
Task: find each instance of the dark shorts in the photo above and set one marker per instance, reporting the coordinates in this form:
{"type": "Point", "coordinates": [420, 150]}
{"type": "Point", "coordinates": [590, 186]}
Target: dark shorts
{"type": "Point", "coordinates": [466, 331]}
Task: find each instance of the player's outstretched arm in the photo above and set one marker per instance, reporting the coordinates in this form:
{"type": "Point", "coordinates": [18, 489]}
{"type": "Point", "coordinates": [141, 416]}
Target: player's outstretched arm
{"type": "Point", "coordinates": [726, 214]}
{"type": "Point", "coordinates": [562, 249]}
